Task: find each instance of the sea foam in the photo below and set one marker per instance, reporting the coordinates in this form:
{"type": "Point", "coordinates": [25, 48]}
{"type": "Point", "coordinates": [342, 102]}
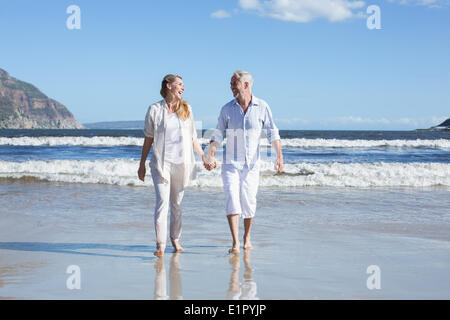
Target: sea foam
{"type": "Point", "coordinates": [108, 141]}
{"type": "Point", "coordinates": [124, 172]}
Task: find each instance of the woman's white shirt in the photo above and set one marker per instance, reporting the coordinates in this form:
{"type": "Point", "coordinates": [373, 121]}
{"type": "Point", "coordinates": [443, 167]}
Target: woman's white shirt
{"type": "Point", "coordinates": [156, 121]}
{"type": "Point", "coordinates": [173, 152]}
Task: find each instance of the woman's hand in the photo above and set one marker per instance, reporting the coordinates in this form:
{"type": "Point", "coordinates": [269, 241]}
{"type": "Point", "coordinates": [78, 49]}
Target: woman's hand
{"type": "Point", "coordinates": [209, 162]}
{"type": "Point", "coordinates": [141, 172]}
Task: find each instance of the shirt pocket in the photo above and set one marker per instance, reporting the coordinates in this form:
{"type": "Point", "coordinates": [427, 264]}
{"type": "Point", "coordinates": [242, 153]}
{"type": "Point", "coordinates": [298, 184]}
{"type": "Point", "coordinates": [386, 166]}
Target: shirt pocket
{"type": "Point", "coordinates": [254, 122]}
{"type": "Point", "coordinates": [159, 123]}
{"type": "Point", "coordinates": [185, 124]}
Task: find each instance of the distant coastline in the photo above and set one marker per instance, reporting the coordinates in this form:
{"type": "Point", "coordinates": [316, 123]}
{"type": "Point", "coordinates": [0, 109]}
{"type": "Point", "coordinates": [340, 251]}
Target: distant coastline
{"type": "Point", "coordinates": [124, 125]}
{"type": "Point", "coordinates": [440, 127]}
{"type": "Point", "coordinates": [139, 125]}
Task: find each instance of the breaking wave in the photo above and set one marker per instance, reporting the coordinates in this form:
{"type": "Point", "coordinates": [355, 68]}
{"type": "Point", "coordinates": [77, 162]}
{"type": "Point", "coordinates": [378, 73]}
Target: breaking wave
{"type": "Point", "coordinates": [124, 172]}
{"type": "Point", "coordinates": [107, 141]}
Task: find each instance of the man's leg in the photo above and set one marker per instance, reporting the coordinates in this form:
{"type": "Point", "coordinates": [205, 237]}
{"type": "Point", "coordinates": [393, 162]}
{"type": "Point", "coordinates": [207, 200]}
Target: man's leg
{"type": "Point", "coordinates": [247, 229]}
{"type": "Point", "coordinates": [249, 189]}
{"type": "Point", "coordinates": [233, 222]}
{"type": "Point", "coordinates": [230, 178]}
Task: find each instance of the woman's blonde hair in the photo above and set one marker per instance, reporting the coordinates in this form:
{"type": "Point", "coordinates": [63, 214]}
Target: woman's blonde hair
{"type": "Point", "coordinates": [181, 107]}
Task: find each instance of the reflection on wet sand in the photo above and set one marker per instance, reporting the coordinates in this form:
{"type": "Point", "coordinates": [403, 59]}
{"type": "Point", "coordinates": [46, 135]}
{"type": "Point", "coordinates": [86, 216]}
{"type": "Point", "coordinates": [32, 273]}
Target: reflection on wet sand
{"type": "Point", "coordinates": [247, 289]}
{"type": "Point", "coordinates": [160, 292]}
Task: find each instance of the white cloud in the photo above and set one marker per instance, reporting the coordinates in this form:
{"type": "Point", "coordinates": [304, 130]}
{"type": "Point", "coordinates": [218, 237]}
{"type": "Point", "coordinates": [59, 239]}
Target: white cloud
{"type": "Point", "coordinates": [220, 14]}
{"type": "Point", "coordinates": [290, 121]}
{"type": "Point", "coordinates": [437, 120]}
{"type": "Point", "coordinates": [305, 10]}
{"type": "Point", "coordinates": [426, 3]}
{"type": "Point", "coordinates": [250, 4]}
{"type": "Point", "coordinates": [359, 120]}
{"type": "Point", "coordinates": [383, 123]}
{"type": "Point", "coordinates": [331, 10]}
{"type": "Point", "coordinates": [354, 123]}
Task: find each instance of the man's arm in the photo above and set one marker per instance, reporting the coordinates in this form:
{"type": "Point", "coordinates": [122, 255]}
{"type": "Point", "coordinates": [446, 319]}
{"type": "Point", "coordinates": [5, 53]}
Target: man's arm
{"type": "Point", "coordinates": [274, 138]}
{"type": "Point", "coordinates": [279, 164]}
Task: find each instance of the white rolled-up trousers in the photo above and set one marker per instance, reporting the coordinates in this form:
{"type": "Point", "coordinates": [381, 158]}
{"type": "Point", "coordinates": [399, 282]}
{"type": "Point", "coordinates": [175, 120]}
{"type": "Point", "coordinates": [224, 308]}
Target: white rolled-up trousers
{"type": "Point", "coordinates": [241, 188]}
{"type": "Point", "coordinates": [169, 194]}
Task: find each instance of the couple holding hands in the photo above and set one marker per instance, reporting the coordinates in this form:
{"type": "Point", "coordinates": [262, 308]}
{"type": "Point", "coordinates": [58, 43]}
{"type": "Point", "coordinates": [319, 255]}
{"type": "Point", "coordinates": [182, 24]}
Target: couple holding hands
{"type": "Point", "coordinates": [169, 129]}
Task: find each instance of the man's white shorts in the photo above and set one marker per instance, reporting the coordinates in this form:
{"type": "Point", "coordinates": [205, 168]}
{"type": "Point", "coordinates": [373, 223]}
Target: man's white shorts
{"type": "Point", "coordinates": [241, 187]}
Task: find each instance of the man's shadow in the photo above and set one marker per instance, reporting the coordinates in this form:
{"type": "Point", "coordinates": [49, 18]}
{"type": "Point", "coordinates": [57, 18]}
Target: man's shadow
{"type": "Point", "coordinates": [247, 289]}
{"type": "Point", "coordinates": [77, 248]}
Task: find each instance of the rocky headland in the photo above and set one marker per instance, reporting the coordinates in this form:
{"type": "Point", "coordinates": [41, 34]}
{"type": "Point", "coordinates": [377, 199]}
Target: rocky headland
{"type": "Point", "coordinates": [23, 106]}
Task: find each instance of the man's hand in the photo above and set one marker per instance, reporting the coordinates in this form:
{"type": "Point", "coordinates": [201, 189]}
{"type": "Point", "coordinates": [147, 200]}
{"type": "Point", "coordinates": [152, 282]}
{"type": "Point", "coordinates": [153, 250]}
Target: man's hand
{"type": "Point", "coordinates": [279, 165]}
{"type": "Point", "coordinates": [141, 172]}
{"type": "Point", "coordinates": [209, 162]}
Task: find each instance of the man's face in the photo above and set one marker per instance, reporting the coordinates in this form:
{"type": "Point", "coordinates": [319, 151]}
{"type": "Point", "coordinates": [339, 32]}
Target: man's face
{"type": "Point", "coordinates": [236, 86]}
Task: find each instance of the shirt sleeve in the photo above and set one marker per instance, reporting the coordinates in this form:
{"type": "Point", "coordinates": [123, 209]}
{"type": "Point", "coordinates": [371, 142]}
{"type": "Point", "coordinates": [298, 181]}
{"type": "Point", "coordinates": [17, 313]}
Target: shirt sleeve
{"type": "Point", "coordinates": [149, 127]}
{"type": "Point", "coordinates": [269, 126]}
{"type": "Point", "coordinates": [194, 131]}
{"type": "Point", "coordinates": [219, 132]}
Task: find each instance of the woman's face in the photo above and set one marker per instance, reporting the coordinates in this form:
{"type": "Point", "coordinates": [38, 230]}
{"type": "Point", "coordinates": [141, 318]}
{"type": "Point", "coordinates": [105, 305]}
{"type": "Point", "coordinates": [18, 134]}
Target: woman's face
{"type": "Point", "coordinates": [176, 88]}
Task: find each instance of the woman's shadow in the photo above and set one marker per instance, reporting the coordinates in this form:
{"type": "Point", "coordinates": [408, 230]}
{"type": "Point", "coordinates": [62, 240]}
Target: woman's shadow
{"type": "Point", "coordinates": [160, 292]}
{"type": "Point", "coordinates": [94, 249]}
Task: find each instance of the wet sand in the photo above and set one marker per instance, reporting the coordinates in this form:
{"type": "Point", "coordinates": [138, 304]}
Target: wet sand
{"type": "Point", "coordinates": [309, 243]}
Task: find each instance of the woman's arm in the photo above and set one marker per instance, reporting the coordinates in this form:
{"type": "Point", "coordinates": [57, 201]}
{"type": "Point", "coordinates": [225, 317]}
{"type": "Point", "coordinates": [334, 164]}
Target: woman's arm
{"type": "Point", "coordinates": [195, 144]}
{"type": "Point", "coordinates": [197, 147]}
{"type": "Point", "coordinates": [148, 141]}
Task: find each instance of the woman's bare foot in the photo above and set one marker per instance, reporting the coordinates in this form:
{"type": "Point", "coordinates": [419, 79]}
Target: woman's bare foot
{"type": "Point", "coordinates": [159, 253]}
{"type": "Point", "coordinates": [247, 244]}
{"type": "Point", "coordinates": [234, 249]}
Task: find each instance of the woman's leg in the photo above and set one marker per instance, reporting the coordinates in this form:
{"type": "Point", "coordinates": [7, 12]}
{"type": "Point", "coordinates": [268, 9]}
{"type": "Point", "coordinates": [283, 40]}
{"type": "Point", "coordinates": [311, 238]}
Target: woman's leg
{"type": "Point", "coordinates": [161, 210]}
{"type": "Point", "coordinates": [176, 197]}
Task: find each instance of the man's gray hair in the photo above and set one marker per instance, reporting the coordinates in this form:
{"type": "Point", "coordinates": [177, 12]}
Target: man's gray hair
{"type": "Point", "coordinates": [245, 76]}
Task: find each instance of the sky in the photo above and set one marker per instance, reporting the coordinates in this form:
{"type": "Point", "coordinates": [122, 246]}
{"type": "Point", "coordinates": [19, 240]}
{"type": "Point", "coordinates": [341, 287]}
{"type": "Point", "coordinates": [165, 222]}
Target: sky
{"type": "Point", "coordinates": [320, 65]}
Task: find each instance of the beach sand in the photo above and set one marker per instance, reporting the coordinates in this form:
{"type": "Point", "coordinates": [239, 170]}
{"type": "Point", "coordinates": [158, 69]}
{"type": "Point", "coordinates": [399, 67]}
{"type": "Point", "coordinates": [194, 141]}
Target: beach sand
{"type": "Point", "coordinates": [309, 243]}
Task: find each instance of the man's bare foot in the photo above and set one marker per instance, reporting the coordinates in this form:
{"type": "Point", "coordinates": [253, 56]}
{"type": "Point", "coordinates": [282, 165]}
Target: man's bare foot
{"type": "Point", "coordinates": [247, 244]}
{"type": "Point", "coordinates": [177, 246]}
{"type": "Point", "coordinates": [234, 249]}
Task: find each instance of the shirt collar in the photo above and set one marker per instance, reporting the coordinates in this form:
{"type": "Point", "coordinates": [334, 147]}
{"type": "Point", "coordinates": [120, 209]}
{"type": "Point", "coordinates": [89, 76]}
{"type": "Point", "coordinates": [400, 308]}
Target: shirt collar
{"type": "Point", "coordinates": [253, 102]}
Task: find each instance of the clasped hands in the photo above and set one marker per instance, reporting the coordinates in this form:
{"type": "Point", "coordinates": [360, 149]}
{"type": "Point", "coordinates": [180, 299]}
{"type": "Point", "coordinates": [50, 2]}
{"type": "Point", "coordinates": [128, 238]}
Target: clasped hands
{"type": "Point", "coordinates": [209, 162]}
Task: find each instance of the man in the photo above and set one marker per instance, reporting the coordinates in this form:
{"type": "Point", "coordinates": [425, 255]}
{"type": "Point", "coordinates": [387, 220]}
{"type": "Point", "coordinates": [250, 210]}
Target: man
{"type": "Point", "coordinates": [242, 121]}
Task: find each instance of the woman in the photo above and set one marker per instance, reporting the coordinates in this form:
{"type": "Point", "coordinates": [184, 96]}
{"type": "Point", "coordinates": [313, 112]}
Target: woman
{"type": "Point", "coordinates": [169, 127]}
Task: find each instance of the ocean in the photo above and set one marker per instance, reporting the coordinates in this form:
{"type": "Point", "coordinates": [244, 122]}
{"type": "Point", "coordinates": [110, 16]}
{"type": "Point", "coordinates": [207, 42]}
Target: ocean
{"type": "Point", "coordinates": [313, 158]}
{"type": "Point", "coordinates": [348, 202]}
